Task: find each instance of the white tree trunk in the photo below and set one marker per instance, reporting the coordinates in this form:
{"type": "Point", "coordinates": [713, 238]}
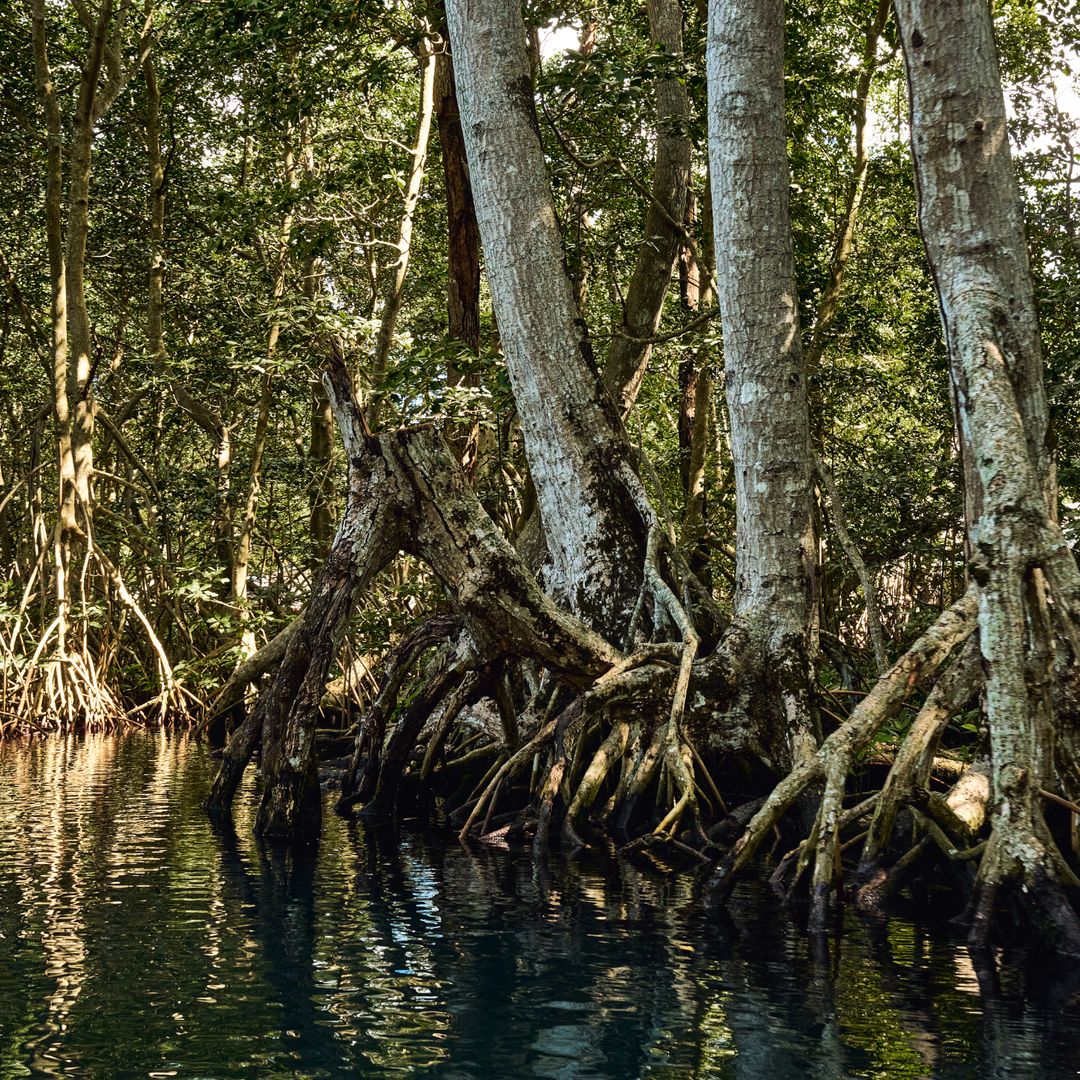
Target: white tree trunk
{"type": "Point", "coordinates": [970, 207]}
{"type": "Point", "coordinates": [579, 457]}
{"type": "Point", "coordinates": [766, 385]}
{"type": "Point", "coordinates": [971, 215]}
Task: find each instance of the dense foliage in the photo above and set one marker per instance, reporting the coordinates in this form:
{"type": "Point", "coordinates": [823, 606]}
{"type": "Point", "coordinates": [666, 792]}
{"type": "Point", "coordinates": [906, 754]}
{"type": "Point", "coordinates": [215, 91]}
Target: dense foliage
{"type": "Point", "coordinates": [239, 81]}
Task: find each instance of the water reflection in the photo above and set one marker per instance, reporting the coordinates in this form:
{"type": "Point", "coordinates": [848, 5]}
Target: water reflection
{"type": "Point", "coordinates": [136, 939]}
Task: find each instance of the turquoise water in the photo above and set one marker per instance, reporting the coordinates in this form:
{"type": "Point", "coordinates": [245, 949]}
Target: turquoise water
{"type": "Point", "coordinates": [136, 940]}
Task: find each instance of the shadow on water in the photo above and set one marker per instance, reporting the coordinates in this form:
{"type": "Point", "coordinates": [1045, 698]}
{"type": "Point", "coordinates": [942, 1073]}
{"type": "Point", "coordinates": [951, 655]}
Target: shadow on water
{"type": "Point", "coordinates": [139, 939]}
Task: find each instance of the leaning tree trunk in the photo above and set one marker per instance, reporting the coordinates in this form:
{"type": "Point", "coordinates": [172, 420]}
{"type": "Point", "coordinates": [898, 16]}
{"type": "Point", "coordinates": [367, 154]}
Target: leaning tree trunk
{"type": "Point", "coordinates": [580, 460]}
{"type": "Point", "coordinates": [971, 216]}
{"type": "Point", "coordinates": [628, 355]}
{"type": "Point", "coordinates": [764, 368]}
{"type": "Point", "coordinates": [406, 492]}
{"type": "Point", "coordinates": [365, 543]}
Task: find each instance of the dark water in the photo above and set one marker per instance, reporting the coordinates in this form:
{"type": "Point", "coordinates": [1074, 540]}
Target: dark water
{"type": "Point", "coordinates": [135, 940]}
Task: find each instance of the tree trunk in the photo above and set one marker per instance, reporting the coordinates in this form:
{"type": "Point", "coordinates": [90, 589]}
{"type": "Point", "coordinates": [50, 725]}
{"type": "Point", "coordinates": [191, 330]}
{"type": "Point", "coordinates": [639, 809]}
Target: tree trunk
{"type": "Point", "coordinates": [970, 213]}
{"type": "Point", "coordinates": [462, 248]}
{"type": "Point", "coordinates": [365, 543]}
{"type": "Point", "coordinates": [321, 460]}
{"type": "Point", "coordinates": [851, 550]}
{"type": "Point", "coordinates": [695, 395]}
{"type": "Point", "coordinates": [765, 373]}
{"type": "Point", "coordinates": [206, 417]}
{"type": "Point", "coordinates": [580, 460]}
{"type": "Point", "coordinates": [66, 526]}
{"type": "Point", "coordinates": [845, 236]}
{"type": "Point", "coordinates": [80, 370]}
{"type": "Point", "coordinates": [246, 533]}
{"type": "Point", "coordinates": [628, 355]}
{"type": "Point", "coordinates": [320, 417]}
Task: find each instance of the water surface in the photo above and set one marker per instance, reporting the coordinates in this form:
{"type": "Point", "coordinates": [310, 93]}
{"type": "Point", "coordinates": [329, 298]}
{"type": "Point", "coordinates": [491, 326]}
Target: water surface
{"type": "Point", "coordinates": [136, 940]}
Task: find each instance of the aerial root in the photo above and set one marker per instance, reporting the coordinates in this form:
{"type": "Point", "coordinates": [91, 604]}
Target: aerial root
{"type": "Point", "coordinates": [574, 756]}
{"type": "Point", "coordinates": [676, 754]}
{"type": "Point", "coordinates": [63, 686]}
{"type": "Point", "coordinates": [831, 764]}
{"type": "Point", "coordinates": [792, 867]}
{"type": "Point", "coordinates": [512, 765]}
{"type": "Point", "coordinates": [591, 738]}
{"type": "Point", "coordinates": [361, 777]}
{"type": "Point", "coordinates": [172, 699]}
{"type": "Point", "coordinates": [455, 703]}
{"type": "Point", "coordinates": [622, 678]}
{"type": "Point", "coordinates": [62, 690]}
{"type": "Point", "coordinates": [1020, 859]}
{"type": "Point", "coordinates": [911, 768]}
{"type": "Point", "coordinates": [610, 750]}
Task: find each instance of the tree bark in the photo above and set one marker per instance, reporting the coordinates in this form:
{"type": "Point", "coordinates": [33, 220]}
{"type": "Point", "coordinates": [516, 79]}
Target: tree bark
{"type": "Point", "coordinates": [580, 460]}
{"type": "Point", "coordinates": [628, 355]}
{"type": "Point", "coordinates": [765, 372]}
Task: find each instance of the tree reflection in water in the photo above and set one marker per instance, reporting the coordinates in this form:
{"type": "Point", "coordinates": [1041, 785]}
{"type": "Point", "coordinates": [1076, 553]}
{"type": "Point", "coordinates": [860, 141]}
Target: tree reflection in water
{"type": "Point", "coordinates": [139, 939]}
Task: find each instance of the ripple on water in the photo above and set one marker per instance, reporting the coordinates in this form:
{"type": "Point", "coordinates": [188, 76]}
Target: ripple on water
{"type": "Point", "coordinates": [137, 940]}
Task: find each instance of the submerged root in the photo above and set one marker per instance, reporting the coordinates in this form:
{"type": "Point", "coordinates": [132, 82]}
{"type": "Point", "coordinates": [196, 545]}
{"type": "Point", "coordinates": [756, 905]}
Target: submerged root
{"type": "Point", "coordinates": [362, 777]}
{"type": "Point", "coordinates": [1022, 861]}
{"type": "Point", "coordinates": [1019, 861]}
{"type": "Point", "coordinates": [609, 752]}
